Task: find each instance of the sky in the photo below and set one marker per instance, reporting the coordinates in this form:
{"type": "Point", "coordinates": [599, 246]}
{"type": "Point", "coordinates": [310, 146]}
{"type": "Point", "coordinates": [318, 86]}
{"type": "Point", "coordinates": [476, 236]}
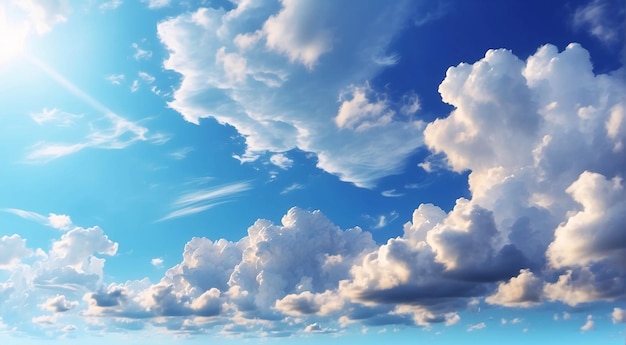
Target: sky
{"type": "Point", "coordinates": [312, 172]}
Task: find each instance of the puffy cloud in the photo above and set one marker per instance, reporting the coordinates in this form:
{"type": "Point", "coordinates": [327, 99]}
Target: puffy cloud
{"type": "Point", "coordinates": [306, 303]}
{"type": "Point", "coordinates": [525, 290]}
{"type": "Point", "coordinates": [59, 221]}
{"type": "Point", "coordinates": [58, 304]}
{"type": "Point", "coordinates": [76, 247]}
{"type": "Point", "coordinates": [618, 315]}
{"type": "Point", "coordinates": [235, 68]}
{"type": "Point", "coordinates": [282, 161]}
{"type": "Point", "coordinates": [303, 42]}
{"type": "Point", "coordinates": [12, 250]}
{"type": "Point", "coordinates": [157, 262]}
{"type": "Point", "coordinates": [537, 113]}
{"type": "Point", "coordinates": [596, 232]}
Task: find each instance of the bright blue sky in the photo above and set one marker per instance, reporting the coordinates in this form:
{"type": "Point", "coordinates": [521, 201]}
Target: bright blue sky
{"type": "Point", "coordinates": [304, 171]}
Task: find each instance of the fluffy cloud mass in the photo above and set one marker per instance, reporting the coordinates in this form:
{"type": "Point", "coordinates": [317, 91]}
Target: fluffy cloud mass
{"type": "Point", "coordinates": [289, 79]}
{"type": "Point", "coordinates": [518, 241]}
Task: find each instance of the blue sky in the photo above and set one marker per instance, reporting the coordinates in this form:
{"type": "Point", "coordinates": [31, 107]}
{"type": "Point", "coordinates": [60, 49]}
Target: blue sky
{"type": "Point", "coordinates": [304, 171]}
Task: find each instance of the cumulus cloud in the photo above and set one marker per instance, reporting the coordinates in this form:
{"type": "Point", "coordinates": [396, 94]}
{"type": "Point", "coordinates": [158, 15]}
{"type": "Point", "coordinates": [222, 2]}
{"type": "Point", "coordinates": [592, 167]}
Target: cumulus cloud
{"type": "Point", "coordinates": [537, 112]}
{"type": "Point", "coordinates": [595, 233]}
{"type": "Point", "coordinates": [515, 126]}
{"type": "Point", "coordinates": [282, 161]}
{"type": "Point", "coordinates": [618, 315]}
{"type": "Point", "coordinates": [12, 250]}
{"type": "Point", "coordinates": [157, 262]}
{"type": "Point", "coordinates": [58, 304]}
{"type": "Point", "coordinates": [60, 221]}
{"type": "Point", "coordinates": [525, 290]}
{"type": "Point", "coordinates": [244, 68]}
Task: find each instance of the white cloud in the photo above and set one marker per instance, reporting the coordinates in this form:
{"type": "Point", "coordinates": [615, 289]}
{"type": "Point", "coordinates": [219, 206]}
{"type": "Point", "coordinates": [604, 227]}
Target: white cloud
{"type": "Point", "coordinates": [118, 133]}
{"type": "Point", "coordinates": [285, 33]}
{"type": "Point", "coordinates": [157, 262]}
{"type": "Point", "coordinates": [181, 153]}
{"type": "Point", "coordinates": [589, 324]}
{"type": "Point", "coordinates": [146, 77]}
{"type": "Point", "coordinates": [391, 193]}
{"type": "Point", "coordinates": [155, 4]}
{"type": "Point", "coordinates": [110, 5]}
{"type": "Point", "coordinates": [44, 14]}
{"type": "Point", "coordinates": [358, 112]}
{"type": "Point", "coordinates": [203, 199]}
{"type": "Point", "coordinates": [291, 188]}
{"type": "Point", "coordinates": [595, 233]}
{"type": "Point", "coordinates": [60, 221]}
{"type": "Point", "coordinates": [57, 221]}
{"type": "Point", "coordinates": [281, 160]}
{"type": "Point", "coordinates": [115, 79]}
{"type": "Point", "coordinates": [603, 19]}
{"type": "Point", "coordinates": [525, 290]}
{"type": "Point", "coordinates": [618, 315]}
{"type": "Point", "coordinates": [476, 327]}
{"type": "Point", "coordinates": [58, 304]}
{"type": "Point", "coordinates": [12, 250]}
{"type": "Point", "coordinates": [278, 106]}
{"type": "Point", "coordinates": [55, 115]}
{"type": "Point", "coordinates": [140, 54]}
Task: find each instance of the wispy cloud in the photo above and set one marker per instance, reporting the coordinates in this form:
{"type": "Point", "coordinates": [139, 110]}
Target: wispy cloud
{"type": "Point", "coordinates": [181, 153]}
{"type": "Point", "coordinates": [57, 221]}
{"type": "Point", "coordinates": [154, 4]}
{"type": "Point", "coordinates": [115, 79]}
{"type": "Point", "coordinates": [110, 5]}
{"type": "Point", "coordinates": [117, 134]}
{"type": "Point", "coordinates": [141, 54]}
{"type": "Point", "coordinates": [201, 200]}
{"type": "Point", "coordinates": [291, 188]}
{"type": "Point", "coordinates": [383, 220]}
{"type": "Point", "coordinates": [476, 327]}
{"type": "Point", "coordinates": [392, 193]}
{"type": "Point", "coordinates": [54, 115]}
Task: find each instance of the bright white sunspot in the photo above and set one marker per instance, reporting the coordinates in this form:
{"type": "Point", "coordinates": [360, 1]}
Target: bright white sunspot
{"type": "Point", "coordinates": [12, 37]}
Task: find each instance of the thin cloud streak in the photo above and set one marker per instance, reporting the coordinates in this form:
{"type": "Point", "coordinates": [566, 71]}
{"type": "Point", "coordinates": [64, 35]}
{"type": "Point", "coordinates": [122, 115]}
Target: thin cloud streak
{"type": "Point", "coordinates": [107, 138]}
{"type": "Point", "coordinates": [201, 200]}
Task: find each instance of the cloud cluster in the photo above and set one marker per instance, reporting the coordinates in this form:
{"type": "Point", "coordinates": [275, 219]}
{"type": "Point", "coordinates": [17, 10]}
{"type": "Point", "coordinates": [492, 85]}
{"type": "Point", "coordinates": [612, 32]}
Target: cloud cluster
{"type": "Point", "coordinates": [539, 226]}
{"type": "Point", "coordinates": [285, 78]}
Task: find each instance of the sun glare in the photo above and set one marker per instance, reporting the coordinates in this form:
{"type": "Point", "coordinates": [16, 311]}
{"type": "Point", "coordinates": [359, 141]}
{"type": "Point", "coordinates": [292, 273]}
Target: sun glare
{"type": "Point", "coordinates": [12, 37]}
